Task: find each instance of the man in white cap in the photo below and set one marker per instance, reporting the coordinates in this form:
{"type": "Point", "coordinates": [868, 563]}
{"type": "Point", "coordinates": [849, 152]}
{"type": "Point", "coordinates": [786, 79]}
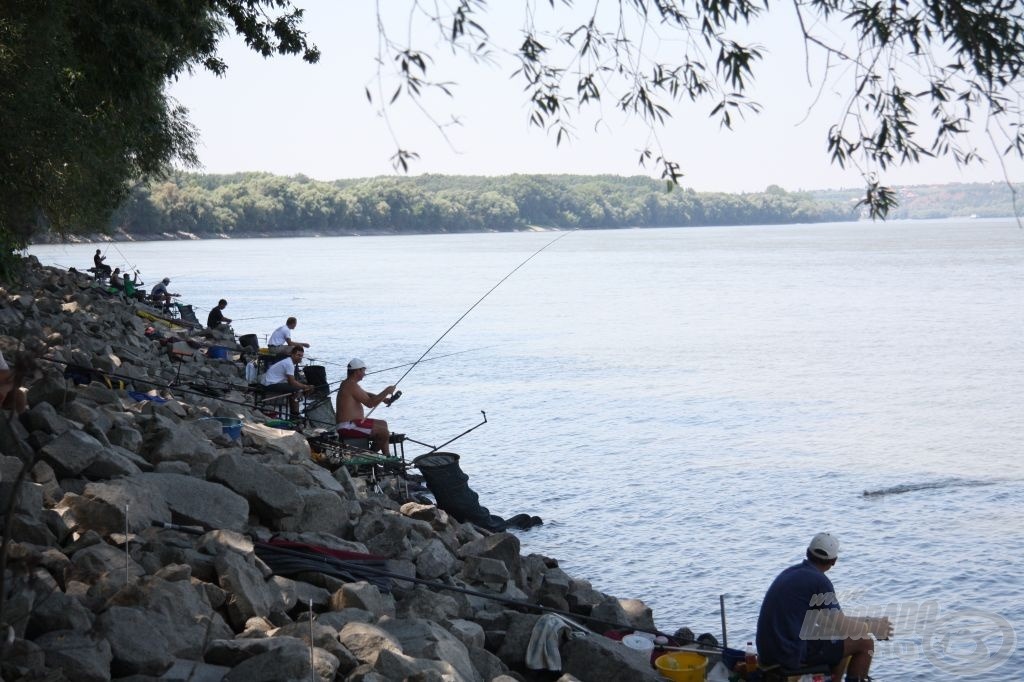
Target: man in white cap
{"type": "Point", "coordinates": [352, 398]}
{"type": "Point", "coordinates": [802, 625]}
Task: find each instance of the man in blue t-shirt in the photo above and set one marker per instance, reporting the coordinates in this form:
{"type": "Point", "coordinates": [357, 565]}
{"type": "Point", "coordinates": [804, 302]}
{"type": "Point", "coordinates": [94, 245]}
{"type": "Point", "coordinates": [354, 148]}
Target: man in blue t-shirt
{"type": "Point", "coordinates": [801, 623]}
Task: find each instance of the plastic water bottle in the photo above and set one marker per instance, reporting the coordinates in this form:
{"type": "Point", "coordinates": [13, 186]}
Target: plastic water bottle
{"type": "Point", "coordinates": [750, 658]}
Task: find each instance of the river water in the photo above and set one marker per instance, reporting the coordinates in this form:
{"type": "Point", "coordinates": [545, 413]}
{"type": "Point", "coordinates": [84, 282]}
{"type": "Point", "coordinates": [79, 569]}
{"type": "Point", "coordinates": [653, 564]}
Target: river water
{"type": "Point", "coordinates": [686, 407]}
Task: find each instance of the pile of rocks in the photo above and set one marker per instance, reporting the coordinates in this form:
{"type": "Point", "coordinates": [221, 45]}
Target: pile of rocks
{"type": "Point", "coordinates": [93, 590]}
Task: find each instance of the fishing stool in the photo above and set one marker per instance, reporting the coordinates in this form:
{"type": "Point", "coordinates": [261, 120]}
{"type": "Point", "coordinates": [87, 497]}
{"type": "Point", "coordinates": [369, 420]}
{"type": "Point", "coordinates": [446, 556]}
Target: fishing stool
{"type": "Point", "coordinates": [396, 440]}
{"type": "Point", "coordinates": [177, 354]}
{"type": "Point", "coordinates": [263, 399]}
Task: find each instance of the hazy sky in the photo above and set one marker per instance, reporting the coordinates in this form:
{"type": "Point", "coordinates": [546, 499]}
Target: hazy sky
{"type": "Point", "coordinates": [285, 116]}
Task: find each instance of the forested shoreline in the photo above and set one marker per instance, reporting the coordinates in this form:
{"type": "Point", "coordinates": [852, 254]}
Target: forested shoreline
{"type": "Point", "coordinates": [260, 204]}
{"type": "Point", "coordinates": [189, 205]}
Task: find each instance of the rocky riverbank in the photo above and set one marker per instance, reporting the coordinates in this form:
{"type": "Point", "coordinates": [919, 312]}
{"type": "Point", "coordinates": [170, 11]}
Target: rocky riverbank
{"type": "Point", "coordinates": [93, 590]}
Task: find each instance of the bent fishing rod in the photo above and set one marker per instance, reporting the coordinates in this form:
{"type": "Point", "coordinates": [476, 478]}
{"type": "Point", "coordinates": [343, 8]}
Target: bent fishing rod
{"type": "Point", "coordinates": [479, 301]}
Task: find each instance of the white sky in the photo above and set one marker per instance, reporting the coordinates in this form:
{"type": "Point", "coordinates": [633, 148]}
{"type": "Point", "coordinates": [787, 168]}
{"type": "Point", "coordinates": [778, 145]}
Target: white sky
{"type": "Point", "coordinates": [285, 116]}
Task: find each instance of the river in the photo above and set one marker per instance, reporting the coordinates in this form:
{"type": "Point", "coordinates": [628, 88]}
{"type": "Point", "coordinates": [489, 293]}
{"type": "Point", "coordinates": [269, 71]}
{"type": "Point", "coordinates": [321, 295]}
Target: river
{"type": "Point", "coordinates": [686, 407]}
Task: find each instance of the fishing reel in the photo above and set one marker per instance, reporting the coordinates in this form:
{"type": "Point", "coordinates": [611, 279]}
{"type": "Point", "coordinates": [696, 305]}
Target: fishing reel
{"type": "Point", "coordinates": [394, 396]}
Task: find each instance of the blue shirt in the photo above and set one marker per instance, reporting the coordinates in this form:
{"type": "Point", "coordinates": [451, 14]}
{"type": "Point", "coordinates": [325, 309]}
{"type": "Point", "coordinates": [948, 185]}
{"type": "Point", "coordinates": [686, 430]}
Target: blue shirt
{"type": "Point", "coordinates": [796, 591]}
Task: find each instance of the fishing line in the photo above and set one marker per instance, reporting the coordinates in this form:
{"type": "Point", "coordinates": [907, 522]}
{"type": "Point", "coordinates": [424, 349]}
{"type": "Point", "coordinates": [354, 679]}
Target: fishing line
{"type": "Point", "coordinates": [479, 301]}
{"type": "Point", "coordinates": [436, 357]}
{"type": "Point", "coordinates": [123, 257]}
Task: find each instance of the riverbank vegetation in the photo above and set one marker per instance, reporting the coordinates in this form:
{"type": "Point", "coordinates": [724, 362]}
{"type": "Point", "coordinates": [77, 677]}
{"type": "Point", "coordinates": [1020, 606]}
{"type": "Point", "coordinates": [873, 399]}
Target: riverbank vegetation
{"type": "Point", "coordinates": [252, 204]}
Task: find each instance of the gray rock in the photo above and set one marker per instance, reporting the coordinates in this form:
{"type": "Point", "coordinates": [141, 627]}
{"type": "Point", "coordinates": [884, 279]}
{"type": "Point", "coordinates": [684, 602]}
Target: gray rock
{"type": "Point", "coordinates": [43, 417]}
{"type": "Point", "coordinates": [182, 442]}
{"type": "Point", "coordinates": [396, 666]}
{"type": "Point", "coordinates": [264, 438]}
{"type": "Point", "coordinates": [250, 594]}
{"type": "Point", "coordinates": [196, 502]}
{"type": "Point", "coordinates": [137, 644]}
{"type": "Point", "coordinates": [287, 664]}
{"type": "Point", "coordinates": [322, 512]}
{"type": "Point", "coordinates": [51, 389]}
{"type": "Point", "coordinates": [190, 671]}
{"type": "Point", "coordinates": [519, 628]}
{"type": "Point", "coordinates": [179, 610]}
{"type": "Point", "coordinates": [55, 610]}
{"type": "Point", "coordinates": [232, 652]}
{"type": "Point", "coordinates": [426, 639]}
{"type": "Point", "coordinates": [366, 641]}
{"type": "Point", "coordinates": [466, 631]}
{"type": "Point", "coordinates": [338, 619]}
{"type": "Point", "coordinates": [269, 494]}
{"type": "Point", "coordinates": [599, 659]}
{"type": "Point", "coordinates": [485, 571]}
{"type": "Point", "coordinates": [100, 561]}
{"type": "Point", "coordinates": [81, 657]}
{"type": "Point", "coordinates": [501, 546]}
{"type": "Point", "coordinates": [101, 507]}
{"type": "Point", "coordinates": [426, 603]}
{"type": "Point", "coordinates": [363, 595]}
{"type": "Point", "coordinates": [125, 436]}
{"type": "Point", "coordinates": [71, 453]}
{"type": "Point", "coordinates": [434, 560]}
{"type": "Point", "coordinates": [114, 462]}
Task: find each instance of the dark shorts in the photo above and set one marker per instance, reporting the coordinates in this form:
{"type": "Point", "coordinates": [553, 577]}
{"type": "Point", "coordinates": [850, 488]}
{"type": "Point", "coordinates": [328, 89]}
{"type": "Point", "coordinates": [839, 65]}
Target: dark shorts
{"type": "Point", "coordinates": [278, 389]}
{"type": "Point", "coordinates": [829, 652]}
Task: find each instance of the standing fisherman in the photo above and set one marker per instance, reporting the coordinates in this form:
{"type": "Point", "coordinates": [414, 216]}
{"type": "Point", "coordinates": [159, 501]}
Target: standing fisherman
{"type": "Point", "coordinates": [349, 409]}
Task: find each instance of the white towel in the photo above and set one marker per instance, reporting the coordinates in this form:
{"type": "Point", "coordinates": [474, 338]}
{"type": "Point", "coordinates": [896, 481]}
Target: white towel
{"type": "Point", "coordinates": [547, 635]}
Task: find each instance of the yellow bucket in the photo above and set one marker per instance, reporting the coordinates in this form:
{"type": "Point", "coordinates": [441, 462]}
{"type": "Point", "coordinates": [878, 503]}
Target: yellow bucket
{"type": "Point", "coordinates": [682, 666]}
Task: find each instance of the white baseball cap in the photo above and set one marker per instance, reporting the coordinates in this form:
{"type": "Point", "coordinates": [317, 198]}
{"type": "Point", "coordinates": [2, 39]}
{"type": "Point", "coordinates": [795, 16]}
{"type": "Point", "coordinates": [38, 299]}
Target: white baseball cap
{"type": "Point", "coordinates": [356, 363]}
{"type": "Point", "coordinates": [824, 546]}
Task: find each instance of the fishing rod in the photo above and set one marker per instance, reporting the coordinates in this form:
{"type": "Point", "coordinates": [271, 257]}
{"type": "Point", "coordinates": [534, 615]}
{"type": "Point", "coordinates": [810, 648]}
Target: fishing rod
{"type": "Point", "coordinates": [479, 301]}
{"type": "Point", "coordinates": [123, 258]}
{"type": "Point", "coordinates": [316, 562]}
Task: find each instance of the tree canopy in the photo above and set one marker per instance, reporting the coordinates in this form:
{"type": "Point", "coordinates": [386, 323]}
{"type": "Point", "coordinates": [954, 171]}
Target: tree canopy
{"type": "Point", "coordinates": [83, 98]}
{"type": "Point", "coordinates": [86, 115]}
{"type": "Point", "coordinates": [921, 78]}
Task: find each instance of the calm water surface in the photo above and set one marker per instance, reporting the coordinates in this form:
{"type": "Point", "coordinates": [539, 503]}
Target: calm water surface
{"type": "Point", "coordinates": [687, 407]}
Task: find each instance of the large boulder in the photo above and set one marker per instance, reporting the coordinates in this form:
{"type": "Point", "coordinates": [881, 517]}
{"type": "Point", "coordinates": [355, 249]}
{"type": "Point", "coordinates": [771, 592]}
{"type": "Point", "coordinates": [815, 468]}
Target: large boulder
{"type": "Point", "coordinates": [269, 494]}
{"type": "Point", "coordinates": [194, 501]}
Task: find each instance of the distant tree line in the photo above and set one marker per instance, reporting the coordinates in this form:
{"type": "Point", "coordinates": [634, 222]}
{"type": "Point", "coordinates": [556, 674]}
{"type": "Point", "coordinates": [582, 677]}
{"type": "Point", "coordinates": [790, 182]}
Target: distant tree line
{"type": "Point", "coordinates": [251, 204]}
{"type": "Point", "coordinates": [954, 200]}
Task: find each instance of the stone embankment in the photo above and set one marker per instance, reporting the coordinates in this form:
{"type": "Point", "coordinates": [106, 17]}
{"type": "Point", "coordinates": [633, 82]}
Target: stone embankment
{"type": "Point", "coordinates": [93, 590]}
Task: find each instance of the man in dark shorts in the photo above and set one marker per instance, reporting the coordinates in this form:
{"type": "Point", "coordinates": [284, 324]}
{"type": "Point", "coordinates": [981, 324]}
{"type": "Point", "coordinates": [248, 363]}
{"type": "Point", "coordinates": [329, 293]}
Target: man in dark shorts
{"type": "Point", "coordinates": [801, 623]}
{"type": "Point", "coordinates": [280, 378]}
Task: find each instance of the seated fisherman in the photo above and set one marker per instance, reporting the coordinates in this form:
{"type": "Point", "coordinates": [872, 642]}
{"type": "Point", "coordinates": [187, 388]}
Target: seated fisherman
{"type": "Point", "coordinates": [216, 316]}
{"type": "Point", "coordinates": [352, 398]}
{"type": "Point", "coordinates": [131, 285]}
{"type": "Point", "coordinates": [160, 294]}
{"type": "Point", "coordinates": [281, 340]}
{"type": "Point", "coordinates": [116, 282]}
{"type": "Point", "coordinates": [99, 267]}
{"type": "Point", "coordinates": [801, 623]}
{"type": "Point", "coordinates": [280, 379]}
